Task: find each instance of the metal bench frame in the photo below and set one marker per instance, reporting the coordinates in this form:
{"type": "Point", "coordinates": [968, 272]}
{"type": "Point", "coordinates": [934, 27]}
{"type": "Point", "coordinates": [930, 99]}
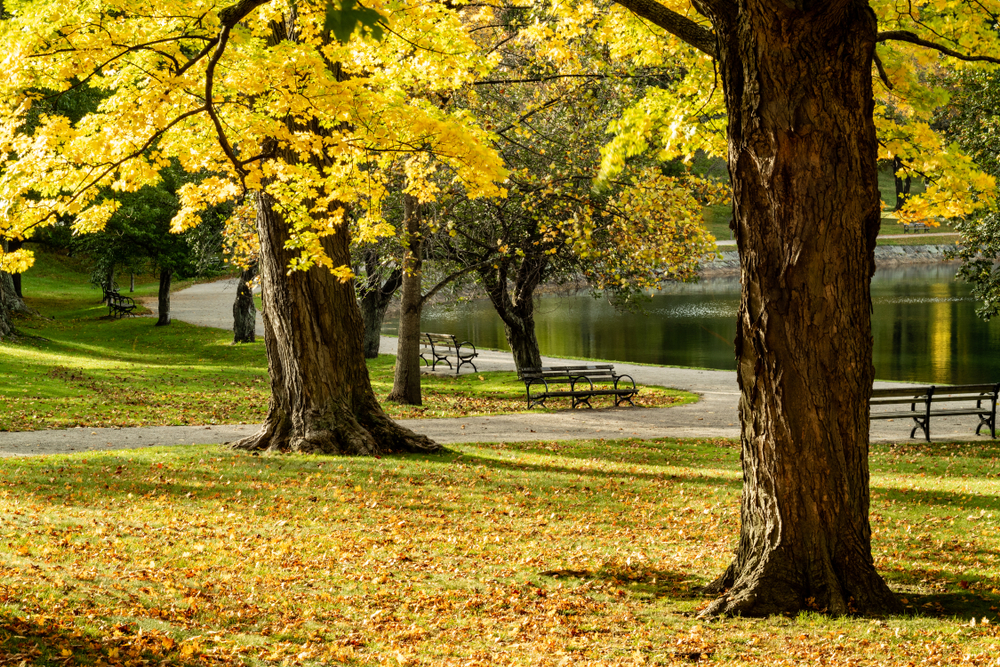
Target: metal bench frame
{"type": "Point", "coordinates": [922, 408]}
{"type": "Point", "coordinates": [443, 346]}
{"type": "Point", "coordinates": [118, 304]}
{"type": "Point", "coordinates": [581, 380]}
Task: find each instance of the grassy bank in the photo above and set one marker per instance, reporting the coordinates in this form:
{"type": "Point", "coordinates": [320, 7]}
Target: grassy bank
{"type": "Point", "coordinates": [501, 554]}
{"type": "Point", "coordinates": [75, 366]}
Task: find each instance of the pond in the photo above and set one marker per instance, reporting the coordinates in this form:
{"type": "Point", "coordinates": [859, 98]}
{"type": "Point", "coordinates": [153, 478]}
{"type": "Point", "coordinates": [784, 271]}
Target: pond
{"type": "Point", "coordinates": [924, 324]}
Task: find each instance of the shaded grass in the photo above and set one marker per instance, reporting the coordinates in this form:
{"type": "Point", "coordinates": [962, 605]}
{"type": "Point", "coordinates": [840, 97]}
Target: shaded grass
{"type": "Point", "coordinates": [75, 366]}
{"type": "Point", "coordinates": [587, 552]}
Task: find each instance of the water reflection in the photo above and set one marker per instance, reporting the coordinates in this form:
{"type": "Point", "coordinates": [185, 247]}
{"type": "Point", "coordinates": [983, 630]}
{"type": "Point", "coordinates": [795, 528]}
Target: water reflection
{"type": "Point", "coordinates": [924, 327]}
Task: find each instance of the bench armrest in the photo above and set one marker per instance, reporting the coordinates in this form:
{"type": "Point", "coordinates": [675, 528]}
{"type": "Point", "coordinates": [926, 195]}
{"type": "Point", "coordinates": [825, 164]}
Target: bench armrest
{"type": "Point", "coordinates": [619, 378]}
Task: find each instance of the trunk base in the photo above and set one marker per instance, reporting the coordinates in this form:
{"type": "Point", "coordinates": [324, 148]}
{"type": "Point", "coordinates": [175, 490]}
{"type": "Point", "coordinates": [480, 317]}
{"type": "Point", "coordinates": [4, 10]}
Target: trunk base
{"type": "Point", "coordinates": [767, 591]}
{"type": "Point", "coordinates": [339, 434]}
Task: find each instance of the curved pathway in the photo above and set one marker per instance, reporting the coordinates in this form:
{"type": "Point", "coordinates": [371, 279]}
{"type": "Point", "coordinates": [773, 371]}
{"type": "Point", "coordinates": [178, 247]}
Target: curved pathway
{"type": "Point", "coordinates": [714, 416]}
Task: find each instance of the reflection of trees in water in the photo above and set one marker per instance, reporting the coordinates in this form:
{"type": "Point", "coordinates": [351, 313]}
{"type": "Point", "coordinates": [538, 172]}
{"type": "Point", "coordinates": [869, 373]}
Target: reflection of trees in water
{"type": "Point", "coordinates": [924, 326]}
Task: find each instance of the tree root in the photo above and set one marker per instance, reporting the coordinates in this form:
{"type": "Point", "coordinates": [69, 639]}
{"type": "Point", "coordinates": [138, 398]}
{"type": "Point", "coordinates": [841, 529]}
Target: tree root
{"type": "Point", "coordinates": [763, 593]}
{"type": "Point", "coordinates": [344, 435]}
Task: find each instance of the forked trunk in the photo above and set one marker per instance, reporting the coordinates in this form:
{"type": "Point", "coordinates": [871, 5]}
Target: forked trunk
{"type": "Point", "coordinates": [163, 298]}
{"type": "Point", "coordinates": [376, 295]}
{"type": "Point", "coordinates": [244, 311]}
{"type": "Point", "coordinates": [406, 379]}
{"type": "Point", "coordinates": [802, 159]}
{"type": "Point", "coordinates": [516, 307]}
{"type": "Point", "coordinates": [374, 304]}
{"type": "Point", "coordinates": [321, 396]}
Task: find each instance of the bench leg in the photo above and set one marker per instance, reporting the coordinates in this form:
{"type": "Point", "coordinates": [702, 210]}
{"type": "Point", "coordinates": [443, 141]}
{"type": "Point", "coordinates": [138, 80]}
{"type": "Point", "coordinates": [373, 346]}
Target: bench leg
{"type": "Point", "coordinates": [619, 399]}
{"type": "Point", "coordinates": [987, 420]}
{"type": "Point", "coordinates": [924, 425]}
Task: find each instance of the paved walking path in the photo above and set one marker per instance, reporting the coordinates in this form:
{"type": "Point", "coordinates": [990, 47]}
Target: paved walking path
{"type": "Point", "coordinates": [714, 416]}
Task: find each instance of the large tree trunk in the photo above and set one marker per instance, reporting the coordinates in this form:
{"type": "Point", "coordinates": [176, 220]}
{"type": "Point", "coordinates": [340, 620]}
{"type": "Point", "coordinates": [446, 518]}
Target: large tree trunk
{"type": "Point", "coordinates": [406, 379]}
{"type": "Point", "coordinates": [321, 396]}
{"type": "Point", "coordinates": [517, 310]}
{"type": "Point", "coordinates": [244, 312]}
{"type": "Point", "coordinates": [10, 291]}
{"type": "Point", "coordinates": [163, 298]}
{"type": "Point", "coordinates": [376, 295]}
{"type": "Point", "coordinates": [802, 159]}
{"type": "Point", "coordinates": [12, 245]}
{"type": "Point", "coordinates": [6, 330]}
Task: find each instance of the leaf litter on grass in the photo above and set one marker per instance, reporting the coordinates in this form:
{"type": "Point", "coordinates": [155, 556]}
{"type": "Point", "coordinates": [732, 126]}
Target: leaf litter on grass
{"type": "Point", "coordinates": [547, 553]}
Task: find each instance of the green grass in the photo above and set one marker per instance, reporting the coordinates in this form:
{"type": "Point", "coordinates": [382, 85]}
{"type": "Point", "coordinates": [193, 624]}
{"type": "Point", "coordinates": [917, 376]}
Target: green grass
{"type": "Point", "coordinates": [75, 366]}
{"type": "Point", "coordinates": [589, 552]}
{"type": "Point", "coordinates": [717, 220]}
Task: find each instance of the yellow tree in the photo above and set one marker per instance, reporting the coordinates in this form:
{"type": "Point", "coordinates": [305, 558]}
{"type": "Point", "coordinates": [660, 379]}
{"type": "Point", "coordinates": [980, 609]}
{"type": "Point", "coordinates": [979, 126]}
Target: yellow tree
{"type": "Point", "coordinates": [260, 93]}
{"type": "Point", "coordinates": [796, 78]}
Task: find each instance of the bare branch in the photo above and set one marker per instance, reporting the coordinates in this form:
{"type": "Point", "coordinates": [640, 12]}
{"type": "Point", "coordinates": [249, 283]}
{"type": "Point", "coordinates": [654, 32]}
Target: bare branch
{"type": "Point", "coordinates": [881, 71]}
{"type": "Point", "coordinates": [677, 25]}
{"type": "Point", "coordinates": [906, 36]}
{"type": "Point", "coordinates": [449, 278]}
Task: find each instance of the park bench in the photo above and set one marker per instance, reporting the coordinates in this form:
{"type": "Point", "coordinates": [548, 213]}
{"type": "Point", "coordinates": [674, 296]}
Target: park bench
{"type": "Point", "coordinates": [938, 400]}
{"type": "Point", "coordinates": [118, 305]}
{"type": "Point", "coordinates": [539, 384]}
{"type": "Point", "coordinates": [443, 347]}
{"type": "Point", "coordinates": [915, 227]}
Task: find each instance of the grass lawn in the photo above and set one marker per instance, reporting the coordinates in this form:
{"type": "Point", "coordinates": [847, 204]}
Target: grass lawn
{"type": "Point", "coordinates": [78, 367]}
{"type": "Point", "coordinates": [546, 553]}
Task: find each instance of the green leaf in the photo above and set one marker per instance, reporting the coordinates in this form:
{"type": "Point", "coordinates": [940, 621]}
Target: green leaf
{"type": "Point", "coordinates": [342, 21]}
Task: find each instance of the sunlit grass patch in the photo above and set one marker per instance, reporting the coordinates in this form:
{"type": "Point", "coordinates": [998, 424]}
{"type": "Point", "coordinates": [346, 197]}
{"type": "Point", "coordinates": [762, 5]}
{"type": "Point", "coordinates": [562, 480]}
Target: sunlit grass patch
{"type": "Point", "coordinates": [75, 366]}
{"type": "Point", "coordinates": [589, 552]}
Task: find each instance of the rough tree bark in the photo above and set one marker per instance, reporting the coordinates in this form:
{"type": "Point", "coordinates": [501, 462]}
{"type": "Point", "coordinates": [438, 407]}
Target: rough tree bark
{"type": "Point", "coordinates": [406, 378]}
{"type": "Point", "coordinates": [802, 160]}
{"type": "Point", "coordinates": [10, 292]}
{"type": "Point", "coordinates": [376, 295]}
{"type": "Point", "coordinates": [6, 330]}
{"type": "Point", "coordinates": [321, 396]}
{"type": "Point", "coordinates": [12, 245]}
{"type": "Point", "coordinates": [163, 298]}
{"type": "Point", "coordinates": [244, 311]}
{"type": "Point", "coordinates": [517, 309]}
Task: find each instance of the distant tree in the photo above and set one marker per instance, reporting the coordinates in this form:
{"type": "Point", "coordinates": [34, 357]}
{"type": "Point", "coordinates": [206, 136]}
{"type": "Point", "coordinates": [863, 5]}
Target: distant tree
{"type": "Point", "coordinates": [244, 310]}
{"type": "Point", "coordinates": [138, 237]}
{"type": "Point", "coordinates": [972, 118]}
{"type": "Point", "coordinates": [622, 234]}
{"type": "Point", "coordinates": [379, 279]}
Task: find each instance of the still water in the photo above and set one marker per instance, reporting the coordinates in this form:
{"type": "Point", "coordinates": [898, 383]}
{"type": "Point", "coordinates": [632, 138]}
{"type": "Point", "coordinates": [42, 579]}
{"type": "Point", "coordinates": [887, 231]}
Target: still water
{"type": "Point", "coordinates": [924, 324]}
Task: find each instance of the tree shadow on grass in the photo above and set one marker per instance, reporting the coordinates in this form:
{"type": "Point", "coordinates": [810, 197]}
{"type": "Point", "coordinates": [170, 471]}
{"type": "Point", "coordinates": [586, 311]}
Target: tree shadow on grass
{"type": "Point", "coordinates": [41, 639]}
{"type": "Point", "coordinates": [965, 605]}
{"type": "Point", "coordinates": [638, 580]}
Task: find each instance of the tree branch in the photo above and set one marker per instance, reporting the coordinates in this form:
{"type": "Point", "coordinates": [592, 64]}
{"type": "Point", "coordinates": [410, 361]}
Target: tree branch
{"type": "Point", "coordinates": [449, 278]}
{"type": "Point", "coordinates": [677, 25]}
{"type": "Point", "coordinates": [912, 38]}
{"type": "Point", "coordinates": [881, 70]}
